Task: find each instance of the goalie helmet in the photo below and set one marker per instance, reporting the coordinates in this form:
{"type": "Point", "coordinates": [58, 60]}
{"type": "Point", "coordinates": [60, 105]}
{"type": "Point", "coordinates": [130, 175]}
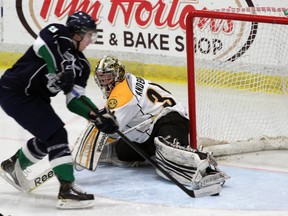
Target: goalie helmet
{"type": "Point", "coordinates": [80, 23]}
{"type": "Point", "coordinates": [108, 72]}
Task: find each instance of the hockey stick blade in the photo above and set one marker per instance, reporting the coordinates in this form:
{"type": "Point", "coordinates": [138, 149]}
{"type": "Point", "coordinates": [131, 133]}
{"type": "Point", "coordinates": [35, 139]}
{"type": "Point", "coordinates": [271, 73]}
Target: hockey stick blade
{"type": "Point", "coordinates": [25, 184]}
{"type": "Point", "coordinates": [29, 185]}
{"type": "Point", "coordinates": [9, 179]}
{"type": "Point", "coordinates": [189, 192]}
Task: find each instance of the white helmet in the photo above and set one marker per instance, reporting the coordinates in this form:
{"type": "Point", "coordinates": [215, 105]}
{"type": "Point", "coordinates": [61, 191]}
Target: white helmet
{"type": "Point", "coordinates": [108, 72]}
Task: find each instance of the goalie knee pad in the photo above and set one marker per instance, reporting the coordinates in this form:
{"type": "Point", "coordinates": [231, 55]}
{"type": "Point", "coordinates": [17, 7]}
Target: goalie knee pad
{"type": "Point", "coordinates": [188, 166]}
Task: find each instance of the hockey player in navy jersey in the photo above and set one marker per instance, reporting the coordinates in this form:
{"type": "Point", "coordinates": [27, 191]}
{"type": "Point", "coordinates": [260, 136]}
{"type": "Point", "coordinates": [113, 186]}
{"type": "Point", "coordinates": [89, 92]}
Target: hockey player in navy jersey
{"type": "Point", "coordinates": [151, 117]}
{"type": "Point", "coordinates": [53, 63]}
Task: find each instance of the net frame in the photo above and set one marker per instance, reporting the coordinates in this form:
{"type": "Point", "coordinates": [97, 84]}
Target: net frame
{"type": "Point", "coordinates": [191, 64]}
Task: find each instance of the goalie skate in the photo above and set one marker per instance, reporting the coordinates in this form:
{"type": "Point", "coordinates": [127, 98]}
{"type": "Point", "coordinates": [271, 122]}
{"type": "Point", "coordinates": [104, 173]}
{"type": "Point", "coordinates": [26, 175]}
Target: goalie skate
{"type": "Point", "coordinates": [212, 190]}
{"type": "Point", "coordinates": [8, 171]}
{"type": "Point", "coordinates": [213, 177]}
{"type": "Point", "coordinates": [72, 197]}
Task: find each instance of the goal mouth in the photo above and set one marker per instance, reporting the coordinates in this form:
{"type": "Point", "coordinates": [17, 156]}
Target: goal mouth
{"type": "Point", "coordinates": [238, 79]}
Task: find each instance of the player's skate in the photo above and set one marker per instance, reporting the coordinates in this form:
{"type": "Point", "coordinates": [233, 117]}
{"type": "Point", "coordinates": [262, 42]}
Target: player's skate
{"type": "Point", "coordinates": [8, 171]}
{"type": "Point", "coordinates": [72, 197]}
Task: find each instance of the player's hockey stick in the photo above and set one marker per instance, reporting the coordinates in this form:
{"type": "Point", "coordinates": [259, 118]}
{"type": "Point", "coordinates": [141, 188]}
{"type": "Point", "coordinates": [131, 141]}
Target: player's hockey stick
{"type": "Point", "coordinates": [27, 185]}
{"type": "Point", "coordinates": [210, 190]}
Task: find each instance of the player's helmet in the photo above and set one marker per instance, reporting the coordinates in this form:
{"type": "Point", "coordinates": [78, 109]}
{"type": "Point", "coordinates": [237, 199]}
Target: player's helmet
{"type": "Point", "coordinates": [80, 23]}
{"type": "Point", "coordinates": [108, 72]}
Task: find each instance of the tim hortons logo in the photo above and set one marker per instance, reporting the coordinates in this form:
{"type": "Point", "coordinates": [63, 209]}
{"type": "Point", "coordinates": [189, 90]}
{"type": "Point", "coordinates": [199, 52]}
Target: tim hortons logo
{"type": "Point", "coordinates": [143, 13]}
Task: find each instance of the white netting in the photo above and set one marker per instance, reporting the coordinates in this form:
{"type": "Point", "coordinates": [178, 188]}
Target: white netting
{"type": "Point", "coordinates": [241, 83]}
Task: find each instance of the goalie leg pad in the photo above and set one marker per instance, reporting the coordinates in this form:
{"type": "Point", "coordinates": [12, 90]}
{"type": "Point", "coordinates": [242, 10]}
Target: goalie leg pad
{"type": "Point", "coordinates": [88, 148]}
{"type": "Point", "coordinates": [181, 163]}
{"type": "Point", "coordinates": [188, 166]}
{"type": "Point", "coordinates": [94, 147]}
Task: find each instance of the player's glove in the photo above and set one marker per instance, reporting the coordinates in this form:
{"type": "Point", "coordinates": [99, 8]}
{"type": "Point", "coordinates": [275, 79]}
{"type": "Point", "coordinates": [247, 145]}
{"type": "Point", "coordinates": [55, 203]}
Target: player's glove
{"type": "Point", "coordinates": [66, 81]}
{"type": "Point", "coordinates": [105, 121]}
{"type": "Point", "coordinates": [60, 81]}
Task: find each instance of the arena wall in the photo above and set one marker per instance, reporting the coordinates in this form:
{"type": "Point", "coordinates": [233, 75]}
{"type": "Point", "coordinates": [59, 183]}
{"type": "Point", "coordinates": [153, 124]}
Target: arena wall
{"type": "Point", "coordinates": [147, 36]}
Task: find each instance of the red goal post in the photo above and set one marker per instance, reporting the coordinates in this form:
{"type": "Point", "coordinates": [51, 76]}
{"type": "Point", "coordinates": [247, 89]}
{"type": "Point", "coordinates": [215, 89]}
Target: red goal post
{"type": "Point", "coordinates": [219, 61]}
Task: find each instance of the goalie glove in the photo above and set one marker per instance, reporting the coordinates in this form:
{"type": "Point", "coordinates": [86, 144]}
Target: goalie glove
{"type": "Point", "coordinates": [105, 121]}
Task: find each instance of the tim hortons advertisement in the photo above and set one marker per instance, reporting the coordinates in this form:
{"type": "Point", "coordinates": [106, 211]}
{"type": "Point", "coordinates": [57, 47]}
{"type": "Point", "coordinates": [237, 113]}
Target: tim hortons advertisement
{"type": "Point", "coordinates": [154, 27]}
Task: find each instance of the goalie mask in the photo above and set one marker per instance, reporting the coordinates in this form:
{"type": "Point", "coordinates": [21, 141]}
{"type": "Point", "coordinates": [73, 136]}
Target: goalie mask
{"type": "Point", "coordinates": [108, 72]}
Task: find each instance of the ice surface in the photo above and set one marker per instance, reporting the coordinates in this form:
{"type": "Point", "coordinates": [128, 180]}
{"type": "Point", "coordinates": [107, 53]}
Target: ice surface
{"type": "Point", "coordinates": [258, 184]}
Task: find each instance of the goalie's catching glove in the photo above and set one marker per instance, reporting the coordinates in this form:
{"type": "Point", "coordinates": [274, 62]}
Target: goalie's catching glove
{"type": "Point", "coordinates": [105, 121]}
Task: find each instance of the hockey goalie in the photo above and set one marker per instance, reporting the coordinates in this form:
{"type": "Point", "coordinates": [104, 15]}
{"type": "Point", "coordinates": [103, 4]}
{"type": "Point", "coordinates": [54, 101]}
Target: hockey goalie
{"type": "Point", "coordinates": [152, 118]}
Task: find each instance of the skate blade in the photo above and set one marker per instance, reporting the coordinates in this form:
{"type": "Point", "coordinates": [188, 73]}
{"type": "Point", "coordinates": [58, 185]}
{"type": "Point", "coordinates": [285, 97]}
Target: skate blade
{"type": "Point", "coordinates": [75, 204]}
{"type": "Point", "coordinates": [9, 179]}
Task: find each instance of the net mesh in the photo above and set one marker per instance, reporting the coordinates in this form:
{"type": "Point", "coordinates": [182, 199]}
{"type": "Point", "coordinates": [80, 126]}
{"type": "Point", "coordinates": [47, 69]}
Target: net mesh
{"type": "Point", "coordinates": [241, 82]}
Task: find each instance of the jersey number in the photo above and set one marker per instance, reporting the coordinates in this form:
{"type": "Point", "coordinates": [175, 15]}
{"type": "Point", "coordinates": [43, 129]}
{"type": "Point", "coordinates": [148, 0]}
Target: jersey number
{"type": "Point", "coordinates": [156, 97]}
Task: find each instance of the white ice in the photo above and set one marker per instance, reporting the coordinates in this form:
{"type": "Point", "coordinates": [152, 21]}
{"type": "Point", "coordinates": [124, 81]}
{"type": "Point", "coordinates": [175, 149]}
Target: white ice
{"type": "Point", "coordinates": [258, 184]}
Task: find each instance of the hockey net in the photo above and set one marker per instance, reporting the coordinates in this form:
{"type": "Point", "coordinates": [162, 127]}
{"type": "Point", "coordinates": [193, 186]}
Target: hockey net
{"type": "Point", "coordinates": [237, 62]}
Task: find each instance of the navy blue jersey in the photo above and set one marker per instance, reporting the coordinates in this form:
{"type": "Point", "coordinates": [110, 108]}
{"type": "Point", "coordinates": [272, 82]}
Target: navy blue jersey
{"type": "Point", "coordinates": [50, 49]}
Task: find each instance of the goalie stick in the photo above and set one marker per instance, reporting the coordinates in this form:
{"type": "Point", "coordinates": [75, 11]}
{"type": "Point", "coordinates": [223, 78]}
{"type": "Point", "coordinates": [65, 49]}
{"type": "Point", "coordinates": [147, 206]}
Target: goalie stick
{"type": "Point", "coordinates": [206, 191]}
